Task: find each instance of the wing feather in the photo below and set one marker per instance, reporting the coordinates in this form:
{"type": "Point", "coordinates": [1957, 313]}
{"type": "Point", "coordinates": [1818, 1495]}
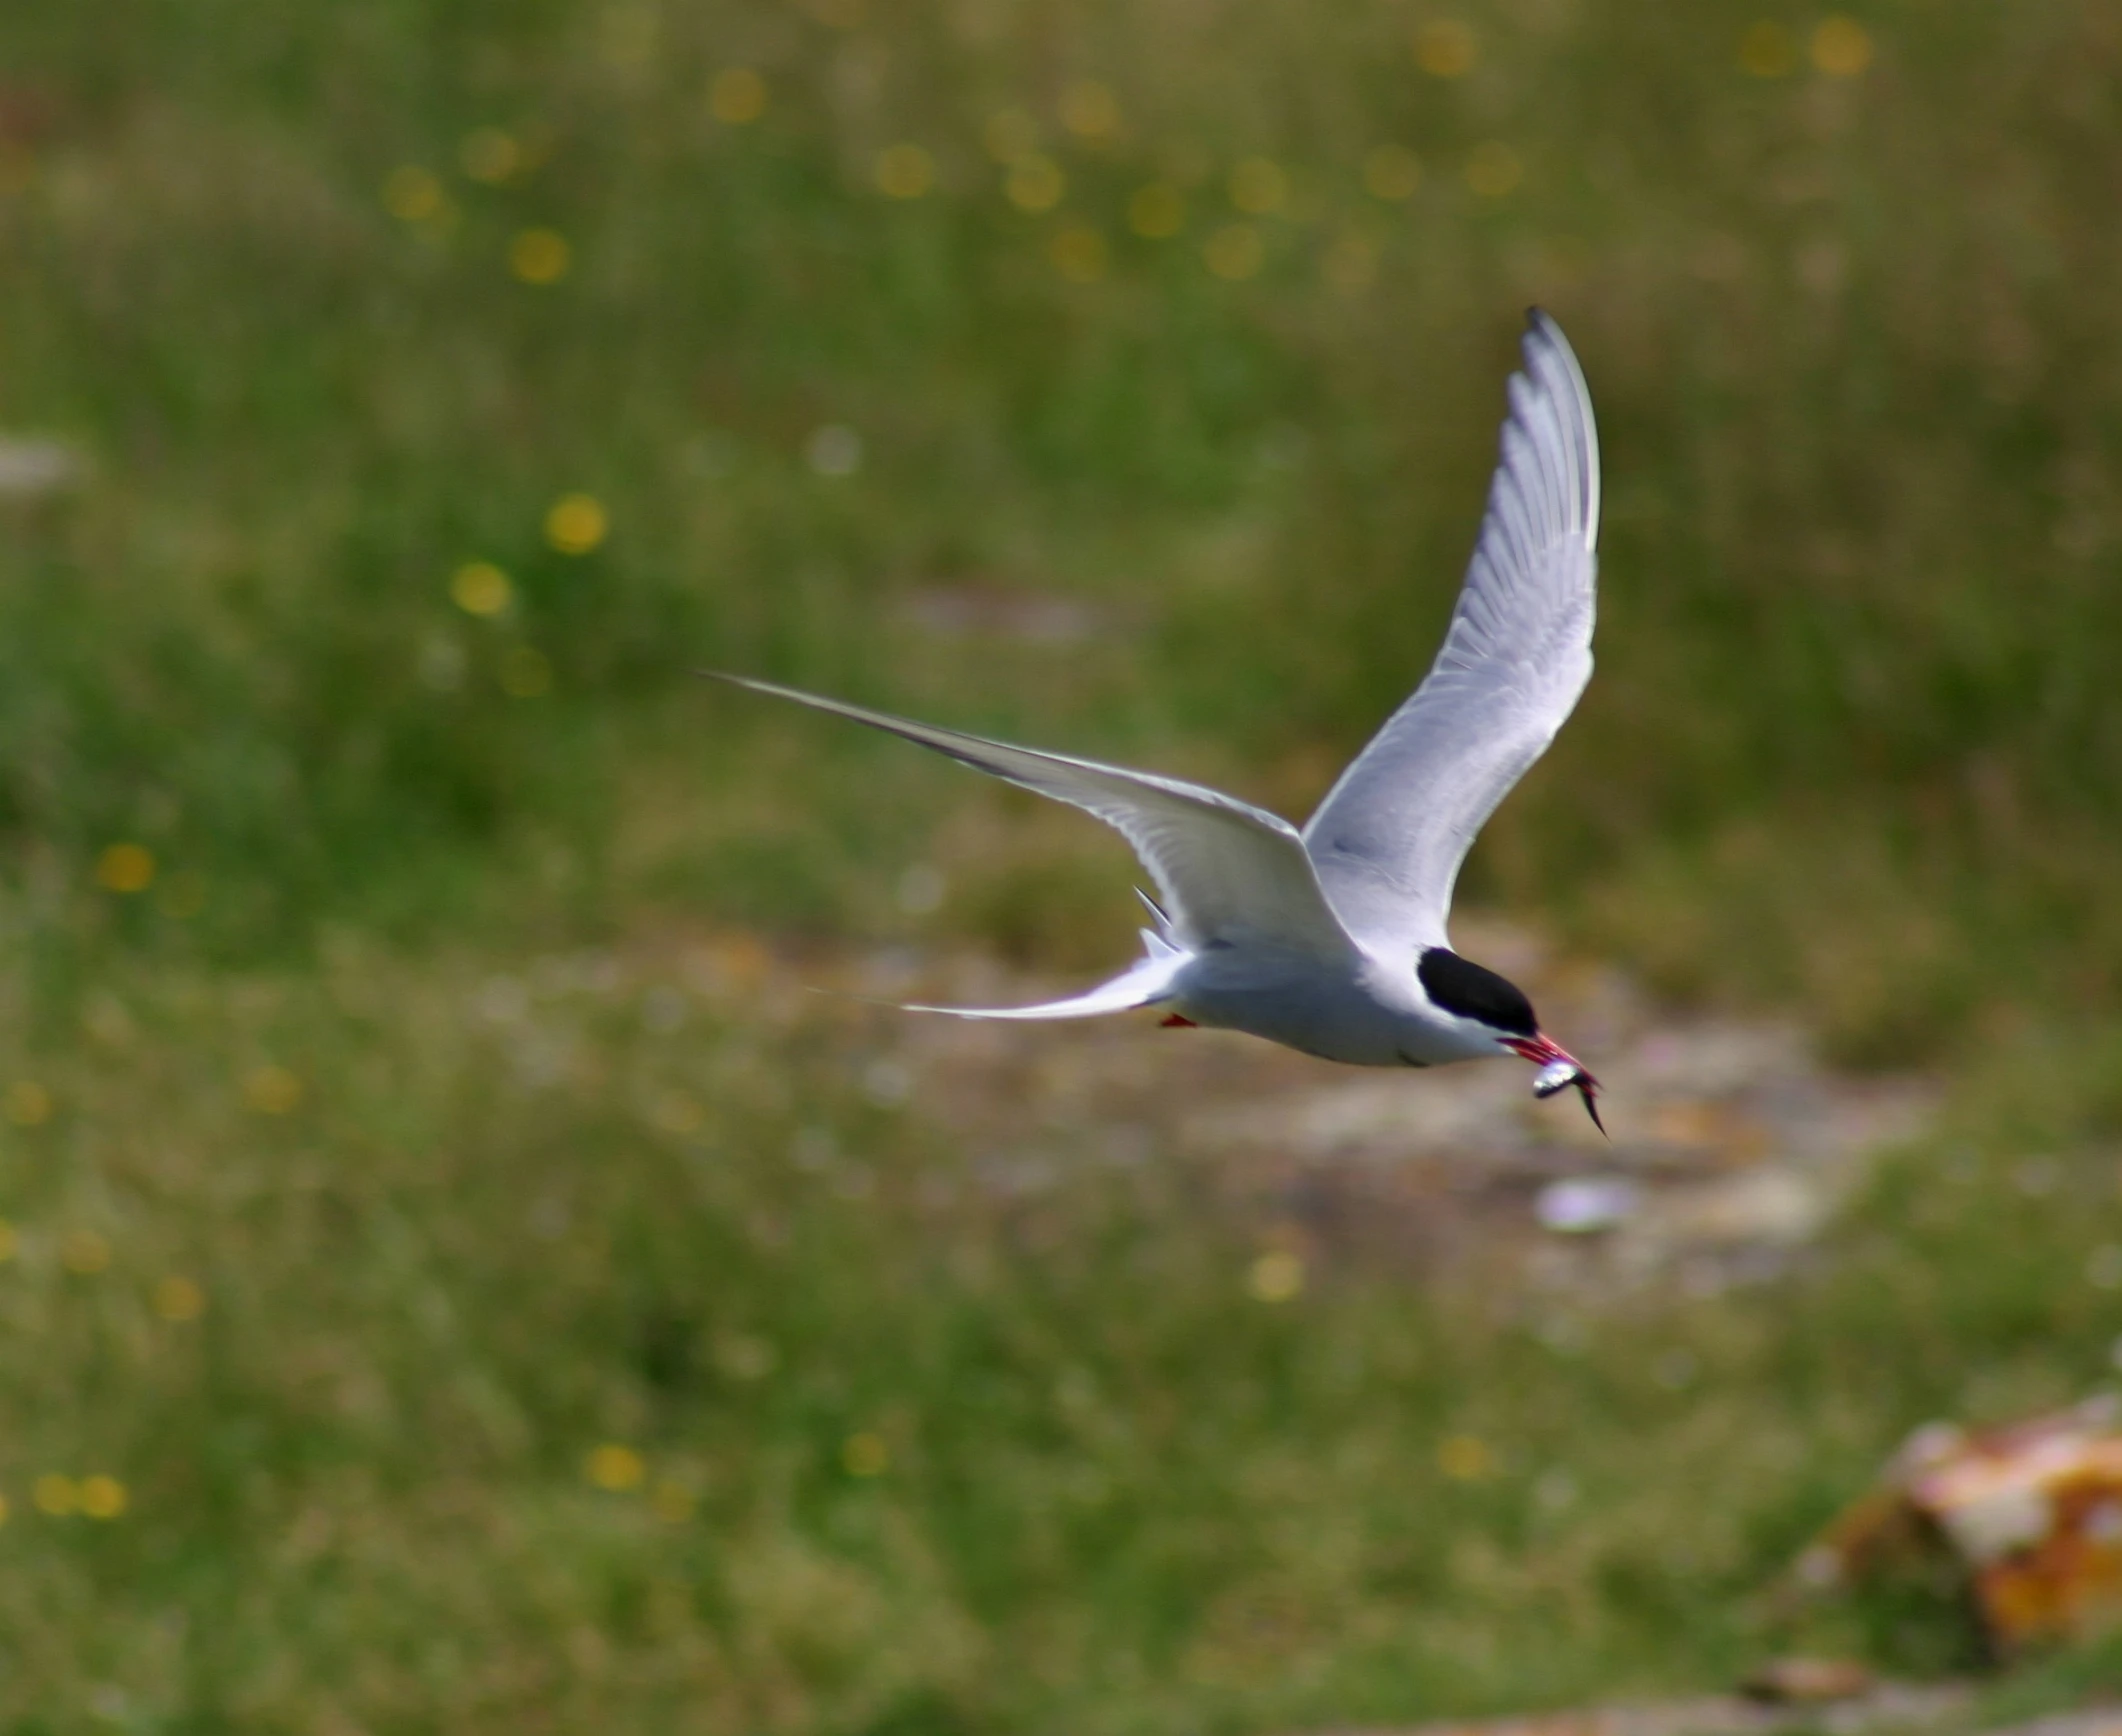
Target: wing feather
{"type": "Point", "coordinates": [1391, 834]}
{"type": "Point", "coordinates": [1231, 874]}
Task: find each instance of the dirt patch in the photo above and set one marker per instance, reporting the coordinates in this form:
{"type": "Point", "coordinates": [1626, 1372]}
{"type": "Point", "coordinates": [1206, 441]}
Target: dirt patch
{"type": "Point", "coordinates": [1731, 1145]}
{"type": "Point", "coordinates": [1886, 1709]}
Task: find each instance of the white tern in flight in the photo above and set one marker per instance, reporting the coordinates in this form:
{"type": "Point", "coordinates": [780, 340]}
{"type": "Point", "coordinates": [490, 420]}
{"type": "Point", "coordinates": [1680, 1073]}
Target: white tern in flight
{"type": "Point", "coordinates": [1332, 940]}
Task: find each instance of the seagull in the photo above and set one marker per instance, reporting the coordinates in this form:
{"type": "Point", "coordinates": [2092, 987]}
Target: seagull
{"type": "Point", "coordinates": [1332, 940]}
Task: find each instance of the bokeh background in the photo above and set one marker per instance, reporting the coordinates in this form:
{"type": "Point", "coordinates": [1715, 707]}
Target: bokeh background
{"type": "Point", "coordinates": [456, 1279]}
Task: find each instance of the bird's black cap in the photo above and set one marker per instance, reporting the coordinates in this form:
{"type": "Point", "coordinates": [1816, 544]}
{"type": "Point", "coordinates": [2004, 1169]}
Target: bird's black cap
{"type": "Point", "coordinates": [1458, 985]}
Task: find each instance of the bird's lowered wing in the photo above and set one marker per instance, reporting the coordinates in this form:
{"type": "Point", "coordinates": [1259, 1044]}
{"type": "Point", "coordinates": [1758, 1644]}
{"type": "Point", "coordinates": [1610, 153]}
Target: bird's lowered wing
{"type": "Point", "coordinates": [1390, 836]}
{"type": "Point", "coordinates": [1232, 874]}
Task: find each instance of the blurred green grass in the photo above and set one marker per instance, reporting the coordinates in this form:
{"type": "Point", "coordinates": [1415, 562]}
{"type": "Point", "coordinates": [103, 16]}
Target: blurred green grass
{"type": "Point", "coordinates": [1199, 500]}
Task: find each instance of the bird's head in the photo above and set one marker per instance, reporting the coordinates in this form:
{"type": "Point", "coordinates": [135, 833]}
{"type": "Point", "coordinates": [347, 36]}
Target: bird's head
{"type": "Point", "coordinates": [1472, 992]}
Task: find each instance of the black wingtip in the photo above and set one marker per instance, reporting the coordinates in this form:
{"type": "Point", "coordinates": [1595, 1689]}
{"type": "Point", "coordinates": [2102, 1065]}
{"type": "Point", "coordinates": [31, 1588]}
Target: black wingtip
{"type": "Point", "coordinates": [728, 678]}
{"type": "Point", "coordinates": [1542, 327]}
{"type": "Point", "coordinates": [1591, 1108]}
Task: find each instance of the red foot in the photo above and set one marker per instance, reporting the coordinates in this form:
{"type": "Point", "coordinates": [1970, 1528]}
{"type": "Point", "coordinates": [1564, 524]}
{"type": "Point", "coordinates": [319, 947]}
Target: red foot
{"type": "Point", "coordinates": [1175, 1021]}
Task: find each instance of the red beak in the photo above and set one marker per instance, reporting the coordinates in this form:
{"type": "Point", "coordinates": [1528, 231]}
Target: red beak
{"type": "Point", "coordinates": [1542, 1050]}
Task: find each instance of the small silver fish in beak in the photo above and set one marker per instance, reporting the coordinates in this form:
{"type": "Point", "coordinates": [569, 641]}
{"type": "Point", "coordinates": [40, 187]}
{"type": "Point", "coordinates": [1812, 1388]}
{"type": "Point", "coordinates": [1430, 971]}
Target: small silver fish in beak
{"type": "Point", "coordinates": [1559, 1070]}
{"type": "Point", "coordinates": [1556, 1076]}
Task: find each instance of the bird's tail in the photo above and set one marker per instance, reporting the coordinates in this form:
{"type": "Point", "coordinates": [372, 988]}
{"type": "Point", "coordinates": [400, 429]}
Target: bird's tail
{"type": "Point", "coordinates": [1143, 984]}
{"type": "Point", "coordinates": [1157, 941]}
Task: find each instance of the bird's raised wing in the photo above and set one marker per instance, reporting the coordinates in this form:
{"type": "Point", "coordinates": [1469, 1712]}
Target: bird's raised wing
{"type": "Point", "coordinates": [1390, 836]}
{"type": "Point", "coordinates": [1231, 873]}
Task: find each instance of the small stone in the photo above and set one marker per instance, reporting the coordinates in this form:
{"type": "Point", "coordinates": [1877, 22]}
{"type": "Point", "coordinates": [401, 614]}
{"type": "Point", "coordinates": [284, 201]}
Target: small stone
{"type": "Point", "coordinates": [1801, 1681]}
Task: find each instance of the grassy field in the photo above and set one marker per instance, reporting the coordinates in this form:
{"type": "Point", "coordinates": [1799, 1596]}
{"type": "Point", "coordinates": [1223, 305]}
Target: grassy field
{"type": "Point", "coordinates": [454, 1283]}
